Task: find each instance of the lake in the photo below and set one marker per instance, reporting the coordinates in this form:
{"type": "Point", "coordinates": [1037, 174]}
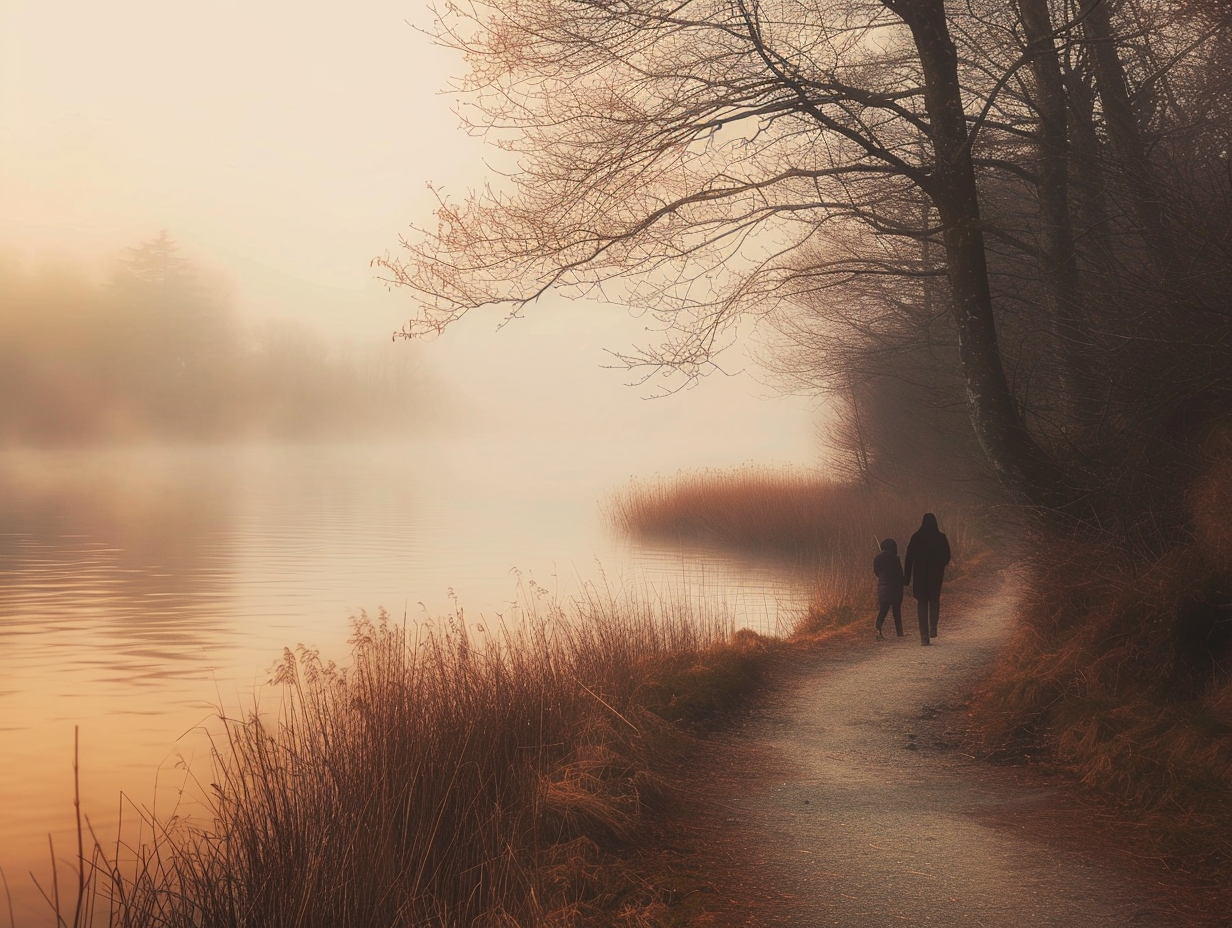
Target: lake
{"type": "Point", "coordinates": [143, 588]}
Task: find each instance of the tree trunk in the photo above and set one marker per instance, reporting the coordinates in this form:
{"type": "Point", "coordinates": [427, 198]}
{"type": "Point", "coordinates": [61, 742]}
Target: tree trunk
{"type": "Point", "coordinates": [1021, 465]}
{"type": "Point", "coordinates": [1124, 133]}
{"type": "Point", "coordinates": [1092, 182]}
{"type": "Point", "coordinates": [1058, 257]}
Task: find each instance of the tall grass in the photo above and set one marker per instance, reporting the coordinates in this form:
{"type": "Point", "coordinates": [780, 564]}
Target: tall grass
{"type": "Point", "coordinates": [448, 776]}
{"type": "Point", "coordinates": [781, 512]}
{"type": "Point", "coordinates": [829, 528]}
{"type": "Point", "coordinates": [1121, 672]}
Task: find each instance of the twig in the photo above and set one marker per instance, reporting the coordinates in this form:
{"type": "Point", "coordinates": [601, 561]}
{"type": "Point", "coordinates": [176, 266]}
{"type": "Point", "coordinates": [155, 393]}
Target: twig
{"type": "Point", "coordinates": [9, 897]}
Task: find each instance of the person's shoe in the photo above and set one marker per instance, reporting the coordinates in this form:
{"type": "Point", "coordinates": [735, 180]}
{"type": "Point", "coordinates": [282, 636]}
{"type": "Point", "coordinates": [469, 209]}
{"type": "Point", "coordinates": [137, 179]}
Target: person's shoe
{"type": "Point", "coordinates": [924, 641]}
{"type": "Point", "coordinates": [932, 633]}
{"type": "Point", "coordinates": [899, 635]}
{"type": "Point", "coordinates": [880, 637]}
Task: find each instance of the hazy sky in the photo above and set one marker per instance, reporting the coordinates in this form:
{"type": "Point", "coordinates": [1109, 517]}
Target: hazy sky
{"type": "Point", "coordinates": [286, 144]}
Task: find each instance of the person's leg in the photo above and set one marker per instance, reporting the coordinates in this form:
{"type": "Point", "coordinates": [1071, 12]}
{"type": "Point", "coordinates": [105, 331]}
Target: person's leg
{"type": "Point", "coordinates": [934, 609]}
{"type": "Point", "coordinates": [898, 618]}
{"type": "Point", "coordinates": [881, 614]}
{"type": "Point", "coordinates": [922, 610]}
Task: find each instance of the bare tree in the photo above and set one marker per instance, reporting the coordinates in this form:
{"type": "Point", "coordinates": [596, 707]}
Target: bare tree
{"type": "Point", "coordinates": [711, 158]}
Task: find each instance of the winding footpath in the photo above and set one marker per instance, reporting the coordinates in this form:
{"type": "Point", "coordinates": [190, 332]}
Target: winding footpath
{"type": "Point", "coordinates": [846, 799]}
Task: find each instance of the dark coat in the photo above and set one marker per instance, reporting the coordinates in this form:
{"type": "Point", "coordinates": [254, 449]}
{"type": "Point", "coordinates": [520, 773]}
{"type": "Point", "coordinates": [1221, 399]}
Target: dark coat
{"type": "Point", "coordinates": [927, 554]}
{"type": "Point", "coordinates": [889, 571]}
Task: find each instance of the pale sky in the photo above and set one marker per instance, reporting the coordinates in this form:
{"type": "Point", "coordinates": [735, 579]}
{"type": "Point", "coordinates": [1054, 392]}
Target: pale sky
{"type": "Point", "coordinates": [285, 145]}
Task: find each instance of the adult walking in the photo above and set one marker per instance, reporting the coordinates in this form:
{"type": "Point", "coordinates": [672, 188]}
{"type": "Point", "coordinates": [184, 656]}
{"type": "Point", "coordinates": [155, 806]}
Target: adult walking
{"type": "Point", "coordinates": [928, 552]}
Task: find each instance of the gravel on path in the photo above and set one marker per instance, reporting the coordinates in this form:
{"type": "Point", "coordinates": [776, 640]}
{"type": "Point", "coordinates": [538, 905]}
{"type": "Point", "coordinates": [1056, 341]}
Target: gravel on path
{"type": "Point", "coordinates": [846, 799]}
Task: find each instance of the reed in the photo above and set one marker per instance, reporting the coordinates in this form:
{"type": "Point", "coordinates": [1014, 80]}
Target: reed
{"type": "Point", "coordinates": [451, 775]}
{"type": "Point", "coordinates": [780, 512]}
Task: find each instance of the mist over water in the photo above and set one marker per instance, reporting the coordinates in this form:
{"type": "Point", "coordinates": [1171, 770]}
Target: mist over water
{"type": "Point", "coordinates": [211, 450]}
{"type": "Point", "coordinates": [185, 493]}
{"type": "Point", "coordinates": [156, 351]}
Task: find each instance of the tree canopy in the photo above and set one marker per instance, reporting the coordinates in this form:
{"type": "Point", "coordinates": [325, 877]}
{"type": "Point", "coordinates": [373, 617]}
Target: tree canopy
{"type": "Point", "coordinates": [1023, 205]}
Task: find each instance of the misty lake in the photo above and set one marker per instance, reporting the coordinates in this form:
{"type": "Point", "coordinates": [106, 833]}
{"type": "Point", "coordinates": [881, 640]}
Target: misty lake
{"type": "Point", "coordinates": [143, 588]}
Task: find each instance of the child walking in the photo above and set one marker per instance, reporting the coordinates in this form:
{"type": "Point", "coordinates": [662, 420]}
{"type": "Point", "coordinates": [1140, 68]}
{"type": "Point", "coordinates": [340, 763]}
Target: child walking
{"type": "Point", "coordinates": [889, 571]}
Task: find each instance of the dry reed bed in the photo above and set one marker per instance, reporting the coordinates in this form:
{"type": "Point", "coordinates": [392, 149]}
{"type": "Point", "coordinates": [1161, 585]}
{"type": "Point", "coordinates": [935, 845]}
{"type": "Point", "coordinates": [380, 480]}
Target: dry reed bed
{"type": "Point", "coordinates": [785, 512]}
{"type": "Point", "coordinates": [830, 528]}
{"type": "Point", "coordinates": [448, 777]}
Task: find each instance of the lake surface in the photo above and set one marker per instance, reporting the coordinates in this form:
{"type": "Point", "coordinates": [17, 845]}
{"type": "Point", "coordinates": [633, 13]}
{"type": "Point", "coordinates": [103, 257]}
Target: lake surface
{"type": "Point", "coordinates": [141, 589]}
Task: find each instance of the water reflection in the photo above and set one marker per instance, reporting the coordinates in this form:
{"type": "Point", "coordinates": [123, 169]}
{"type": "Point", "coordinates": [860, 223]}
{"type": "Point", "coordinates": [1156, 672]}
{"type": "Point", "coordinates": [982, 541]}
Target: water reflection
{"type": "Point", "coordinates": [131, 557]}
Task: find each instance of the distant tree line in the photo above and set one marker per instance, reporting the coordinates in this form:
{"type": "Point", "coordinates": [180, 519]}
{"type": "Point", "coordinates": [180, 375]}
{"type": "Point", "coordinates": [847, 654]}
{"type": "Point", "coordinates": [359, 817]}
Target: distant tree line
{"type": "Point", "coordinates": [996, 233]}
{"type": "Point", "coordinates": [156, 352]}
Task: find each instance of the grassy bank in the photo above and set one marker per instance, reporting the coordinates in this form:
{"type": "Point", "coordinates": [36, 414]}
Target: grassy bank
{"type": "Point", "coordinates": [456, 776]}
{"type": "Point", "coordinates": [789, 514]}
{"type": "Point", "coordinates": [1120, 674]}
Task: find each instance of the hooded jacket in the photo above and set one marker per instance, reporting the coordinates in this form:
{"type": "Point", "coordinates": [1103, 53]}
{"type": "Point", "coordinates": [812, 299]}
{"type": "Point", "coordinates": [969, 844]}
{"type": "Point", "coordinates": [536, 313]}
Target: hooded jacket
{"type": "Point", "coordinates": [927, 554]}
{"type": "Point", "coordinates": [889, 571]}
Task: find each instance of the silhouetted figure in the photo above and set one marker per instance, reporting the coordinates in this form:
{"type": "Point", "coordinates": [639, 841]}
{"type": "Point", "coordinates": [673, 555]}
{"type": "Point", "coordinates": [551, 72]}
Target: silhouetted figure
{"type": "Point", "coordinates": [889, 571]}
{"type": "Point", "coordinates": [927, 554]}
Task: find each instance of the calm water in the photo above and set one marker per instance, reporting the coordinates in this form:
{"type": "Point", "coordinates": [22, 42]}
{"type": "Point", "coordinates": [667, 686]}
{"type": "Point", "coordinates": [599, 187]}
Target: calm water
{"type": "Point", "coordinates": [141, 589]}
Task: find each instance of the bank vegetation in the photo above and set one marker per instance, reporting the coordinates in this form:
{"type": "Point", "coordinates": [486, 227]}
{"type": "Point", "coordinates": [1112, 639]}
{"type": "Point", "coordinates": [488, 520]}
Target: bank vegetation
{"type": "Point", "coordinates": [465, 773]}
{"type": "Point", "coordinates": [455, 774]}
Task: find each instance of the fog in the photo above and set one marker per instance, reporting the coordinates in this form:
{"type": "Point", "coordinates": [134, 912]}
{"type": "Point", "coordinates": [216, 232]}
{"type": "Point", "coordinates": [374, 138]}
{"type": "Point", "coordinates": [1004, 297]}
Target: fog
{"type": "Point", "coordinates": [281, 148]}
{"type": "Point", "coordinates": [190, 197]}
{"type": "Point", "coordinates": [155, 351]}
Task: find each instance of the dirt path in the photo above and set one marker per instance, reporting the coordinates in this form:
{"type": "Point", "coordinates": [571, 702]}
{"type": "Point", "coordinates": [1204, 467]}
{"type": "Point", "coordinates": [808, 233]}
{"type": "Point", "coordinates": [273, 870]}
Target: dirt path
{"type": "Point", "coordinates": [846, 799]}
